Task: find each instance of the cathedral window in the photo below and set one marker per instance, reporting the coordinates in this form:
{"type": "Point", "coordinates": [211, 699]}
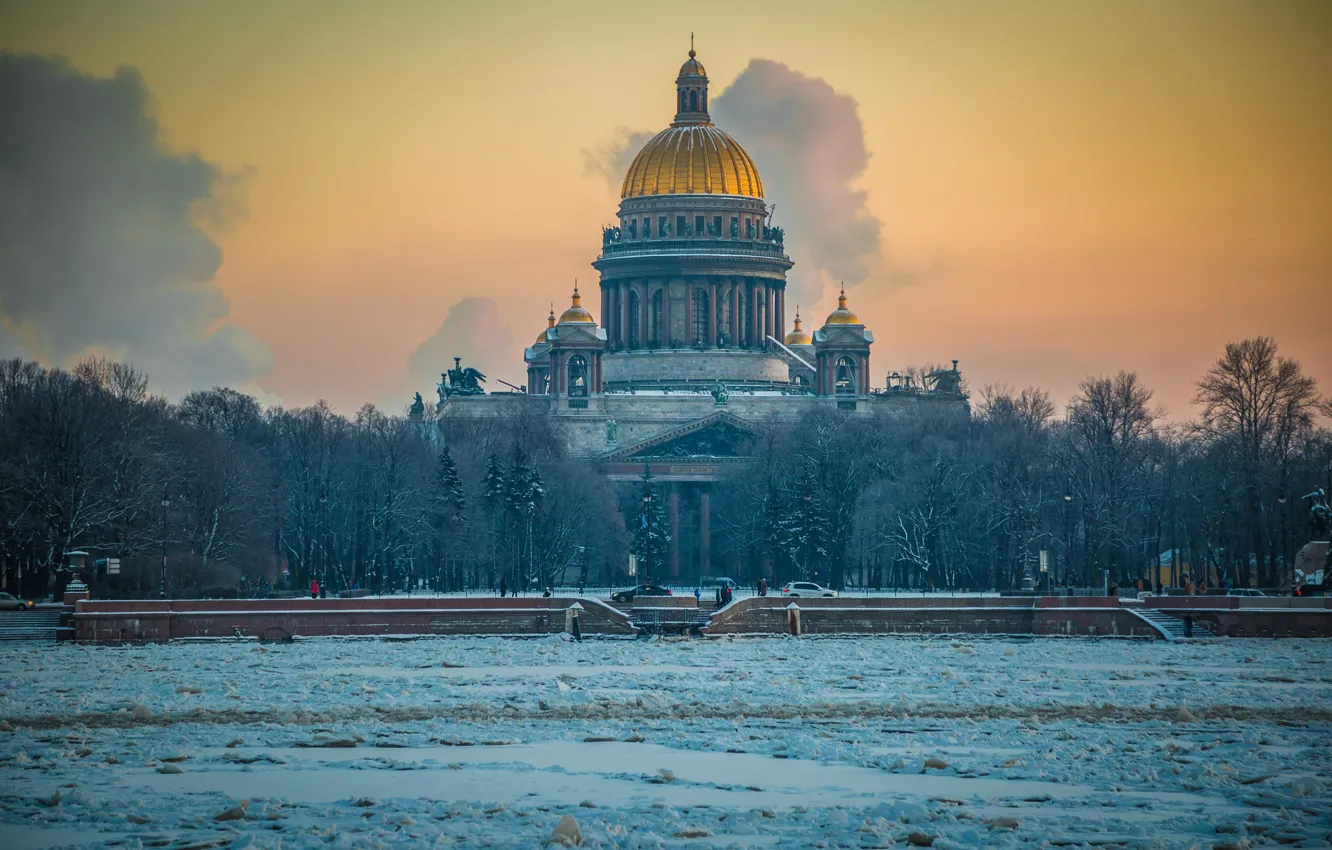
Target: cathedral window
{"type": "Point", "coordinates": [716, 225]}
{"type": "Point", "coordinates": [679, 227]}
{"type": "Point", "coordinates": [700, 328]}
{"type": "Point", "coordinates": [845, 381]}
{"type": "Point", "coordinates": [693, 101]}
{"type": "Point", "coordinates": [647, 228]}
{"type": "Point", "coordinates": [682, 100]}
{"type": "Point", "coordinates": [578, 377]}
{"type": "Point", "coordinates": [699, 225]}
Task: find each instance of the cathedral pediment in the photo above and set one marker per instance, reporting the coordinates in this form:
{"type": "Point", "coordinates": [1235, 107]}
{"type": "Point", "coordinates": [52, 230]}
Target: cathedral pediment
{"type": "Point", "coordinates": [718, 436]}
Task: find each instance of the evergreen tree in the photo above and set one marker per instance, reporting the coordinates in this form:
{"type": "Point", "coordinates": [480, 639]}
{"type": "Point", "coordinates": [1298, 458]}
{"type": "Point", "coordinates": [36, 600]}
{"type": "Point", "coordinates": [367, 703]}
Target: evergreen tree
{"type": "Point", "coordinates": [493, 495]}
{"type": "Point", "coordinates": [448, 504]}
{"type": "Point", "coordinates": [652, 535]}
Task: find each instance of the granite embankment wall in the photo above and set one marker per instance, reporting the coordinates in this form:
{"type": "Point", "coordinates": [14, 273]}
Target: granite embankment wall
{"type": "Point", "coordinates": [1252, 616]}
{"type": "Point", "coordinates": [158, 620]}
{"type": "Point", "coordinates": [962, 615]}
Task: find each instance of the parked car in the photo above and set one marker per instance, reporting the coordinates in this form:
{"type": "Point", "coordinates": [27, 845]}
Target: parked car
{"type": "Point", "coordinates": [640, 590]}
{"type": "Point", "coordinates": [1245, 591]}
{"type": "Point", "coordinates": [807, 588]}
{"type": "Point", "coordinates": [9, 603]}
{"type": "Point", "coordinates": [711, 582]}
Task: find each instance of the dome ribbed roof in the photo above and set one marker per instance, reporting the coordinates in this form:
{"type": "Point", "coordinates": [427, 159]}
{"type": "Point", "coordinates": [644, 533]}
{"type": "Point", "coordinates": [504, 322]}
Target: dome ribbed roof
{"type": "Point", "coordinates": [692, 159]}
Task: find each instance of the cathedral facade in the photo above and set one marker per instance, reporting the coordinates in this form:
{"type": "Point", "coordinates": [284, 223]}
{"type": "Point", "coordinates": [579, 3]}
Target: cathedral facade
{"type": "Point", "coordinates": [691, 355]}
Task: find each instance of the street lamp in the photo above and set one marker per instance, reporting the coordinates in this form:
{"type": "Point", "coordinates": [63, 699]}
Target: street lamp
{"type": "Point", "coordinates": [323, 532]}
{"type": "Point", "coordinates": [166, 503]}
{"type": "Point", "coordinates": [1286, 566]}
{"type": "Point", "coordinates": [1068, 534]}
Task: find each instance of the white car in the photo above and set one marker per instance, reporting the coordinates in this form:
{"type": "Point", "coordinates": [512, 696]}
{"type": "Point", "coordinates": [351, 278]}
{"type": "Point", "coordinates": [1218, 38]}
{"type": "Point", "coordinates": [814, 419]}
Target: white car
{"type": "Point", "coordinates": [1245, 591]}
{"type": "Point", "coordinates": [807, 588]}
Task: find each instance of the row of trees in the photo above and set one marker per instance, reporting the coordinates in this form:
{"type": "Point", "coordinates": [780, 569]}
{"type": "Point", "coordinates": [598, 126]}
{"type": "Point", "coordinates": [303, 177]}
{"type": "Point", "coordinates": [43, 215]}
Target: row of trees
{"type": "Point", "coordinates": [235, 498]}
{"type": "Point", "coordinates": [1111, 491]}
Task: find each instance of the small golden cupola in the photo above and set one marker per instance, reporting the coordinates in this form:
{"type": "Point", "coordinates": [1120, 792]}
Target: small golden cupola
{"type": "Point", "coordinates": [550, 323]}
{"type": "Point", "coordinates": [799, 336]}
{"type": "Point", "coordinates": [842, 315]}
{"type": "Point", "coordinates": [577, 313]}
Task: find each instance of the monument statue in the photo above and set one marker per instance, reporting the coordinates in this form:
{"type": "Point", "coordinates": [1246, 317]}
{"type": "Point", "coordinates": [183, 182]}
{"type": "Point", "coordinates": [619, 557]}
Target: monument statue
{"type": "Point", "coordinates": [946, 380]}
{"type": "Point", "coordinates": [719, 393]}
{"type": "Point", "coordinates": [418, 407]}
{"type": "Point", "coordinates": [612, 430]}
{"type": "Point", "coordinates": [1320, 515]}
{"type": "Point", "coordinates": [459, 381]}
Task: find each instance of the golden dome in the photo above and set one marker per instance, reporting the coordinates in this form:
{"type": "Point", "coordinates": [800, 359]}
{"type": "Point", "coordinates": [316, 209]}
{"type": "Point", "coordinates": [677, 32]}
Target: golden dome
{"type": "Point", "coordinates": [550, 323]}
{"type": "Point", "coordinates": [842, 316]}
{"type": "Point", "coordinates": [576, 312]}
{"type": "Point", "coordinates": [692, 67]}
{"type": "Point", "coordinates": [798, 336]}
{"type": "Point", "coordinates": [692, 159]}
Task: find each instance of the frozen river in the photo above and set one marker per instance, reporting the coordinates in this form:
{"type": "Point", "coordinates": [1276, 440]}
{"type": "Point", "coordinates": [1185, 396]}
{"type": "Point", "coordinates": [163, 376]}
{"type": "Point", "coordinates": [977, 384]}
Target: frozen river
{"type": "Point", "coordinates": [773, 742]}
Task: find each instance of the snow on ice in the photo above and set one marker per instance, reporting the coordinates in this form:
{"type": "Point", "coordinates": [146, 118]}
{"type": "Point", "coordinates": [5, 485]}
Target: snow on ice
{"type": "Point", "coordinates": [773, 742]}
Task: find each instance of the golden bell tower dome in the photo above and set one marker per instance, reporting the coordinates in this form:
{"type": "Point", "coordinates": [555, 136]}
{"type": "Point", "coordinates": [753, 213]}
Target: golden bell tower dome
{"type": "Point", "coordinates": [842, 315]}
{"type": "Point", "coordinates": [577, 312]}
{"type": "Point", "coordinates": [692, 157]}
{"type": "Point", "coordinates": [798, 336]}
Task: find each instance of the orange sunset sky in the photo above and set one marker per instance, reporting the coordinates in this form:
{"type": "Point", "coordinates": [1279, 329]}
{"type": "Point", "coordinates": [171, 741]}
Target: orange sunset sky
{"type": "Point", "coordinates": [1060, 189]}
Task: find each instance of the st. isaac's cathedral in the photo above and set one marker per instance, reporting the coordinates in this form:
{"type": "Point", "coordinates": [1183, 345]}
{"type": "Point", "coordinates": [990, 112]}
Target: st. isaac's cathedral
{"type": "Point", "coordinates": [692, 356]}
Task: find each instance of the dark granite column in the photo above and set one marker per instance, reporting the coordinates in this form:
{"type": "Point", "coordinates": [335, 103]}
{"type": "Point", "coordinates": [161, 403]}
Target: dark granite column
{"type": "Point", "coordinates": [673, 514]}
{"type": "Point", "coordinates": [704, 532]}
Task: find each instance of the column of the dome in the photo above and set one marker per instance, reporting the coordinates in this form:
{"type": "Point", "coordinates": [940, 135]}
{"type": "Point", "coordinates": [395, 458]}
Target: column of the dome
{"type": "Point", "coordinates": [712, 313]}
{"type": "Point", "coordinates": [622, 332]}
{"type": "Point", "coordinates": [666, 313]}
{"type": "Point", "coordinates": [605, 306]}
{"type": "Point", "coordinates": [769, 302]}
{"type": "Point", "coordinates": [781, 315]}
{"type": "Point", "coordinates": [735, 312]}
{"type": "Point", "coordinates": [753, 313]}
{"type": "Point", "coordinates": [645, 317]}
{"type": "Point", "coordinates": [689, 313]}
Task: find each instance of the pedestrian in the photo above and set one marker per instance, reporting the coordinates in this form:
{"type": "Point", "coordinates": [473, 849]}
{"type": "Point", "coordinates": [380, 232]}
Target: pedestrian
{"type": "Point", "coordinates": [504, 585]}
{"type": "Point", "coordinates": [1188, 625]}
{"type": "Point", "coordinates": [547, 593]}
{"type": "Point", "coordinates": [763, 587]}
{"type": "Point", "coordinates": [698, 595]}
{"type": "Point", "coordinates": [719, 595]}
{"type": "Point", "coordinates": [1202, 589]}
{"type": "Point", "coordinates": [1114, 589]}
{"type": "Point", "coordinates": [1160, 589]}
{"type": "Point", "coordinates": [314, 588]}
{"type": "Point", "coordinates": [1190, 588]}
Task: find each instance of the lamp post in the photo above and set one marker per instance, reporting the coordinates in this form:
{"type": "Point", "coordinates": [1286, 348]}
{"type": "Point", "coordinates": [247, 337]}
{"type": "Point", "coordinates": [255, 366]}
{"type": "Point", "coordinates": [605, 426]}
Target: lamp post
{"type": "Point", "coordinates": [166, 503]}
{"type": "Point", "coordinates": [1287, 568]}
{"type": "Point", "coordinates": [323, 531]}
{"type": "Point", "coordinates": [1068, 533]}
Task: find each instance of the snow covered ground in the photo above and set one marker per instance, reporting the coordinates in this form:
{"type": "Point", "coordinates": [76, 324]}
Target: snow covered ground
{"type": "Point", "coordinates": [773, 742]}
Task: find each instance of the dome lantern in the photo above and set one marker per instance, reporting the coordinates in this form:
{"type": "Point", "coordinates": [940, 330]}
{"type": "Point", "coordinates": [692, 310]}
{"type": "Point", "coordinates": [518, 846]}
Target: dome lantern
{"type": "Point", "coordinates": [691, 91]}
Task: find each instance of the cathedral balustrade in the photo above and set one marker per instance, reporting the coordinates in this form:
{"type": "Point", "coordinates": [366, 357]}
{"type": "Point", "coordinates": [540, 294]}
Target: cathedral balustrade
{"type": "Point", "coordinates": [694, 247]}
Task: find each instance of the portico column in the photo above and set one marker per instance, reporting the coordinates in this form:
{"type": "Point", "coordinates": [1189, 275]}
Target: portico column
{"type": "Point", "coordinates": [781, 315]}
{"type": "Point", "coordinates": [644, 308]}
{"type": "Point", "coordinates": [712, 313]}
{"type": "Point", "coordinates": [605, 306]}
{"type": "Point", "coordinates": [673, 513]}
{"type": "Point", "coordinates": [704, 532]}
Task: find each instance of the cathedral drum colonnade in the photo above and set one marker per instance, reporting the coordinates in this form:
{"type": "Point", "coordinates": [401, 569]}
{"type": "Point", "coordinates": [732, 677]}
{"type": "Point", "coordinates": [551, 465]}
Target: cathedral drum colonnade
{"type": "Point", "coordinates": [691, 355]}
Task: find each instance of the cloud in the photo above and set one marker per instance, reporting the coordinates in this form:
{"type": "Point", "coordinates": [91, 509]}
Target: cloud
{"type": "Point", "coordinates": [472, 330]}
{"type": "Point", "coordinates": [809, 145]}
{"type": "Point", "coordinates": [100, 245]}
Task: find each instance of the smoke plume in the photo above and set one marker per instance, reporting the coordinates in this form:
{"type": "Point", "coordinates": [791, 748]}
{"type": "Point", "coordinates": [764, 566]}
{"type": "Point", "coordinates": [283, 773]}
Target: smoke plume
{"type": "Point", "coordinates": [472, 330]}
{"type": "Point", "coordinates": [100, 248]}
{"type": "Point", "coordinates": [809, 146]}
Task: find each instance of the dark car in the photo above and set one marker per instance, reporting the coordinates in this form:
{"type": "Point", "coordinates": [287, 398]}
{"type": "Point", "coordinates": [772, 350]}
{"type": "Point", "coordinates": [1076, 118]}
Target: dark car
{"type": "Point", "coordinates": [641, 590]}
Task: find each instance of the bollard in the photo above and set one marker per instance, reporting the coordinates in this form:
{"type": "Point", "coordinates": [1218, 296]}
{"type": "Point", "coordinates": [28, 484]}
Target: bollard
{"type": "Point", "coordinates": [793, 619]}
{"type": "Point", "coordinates": [571, 624]}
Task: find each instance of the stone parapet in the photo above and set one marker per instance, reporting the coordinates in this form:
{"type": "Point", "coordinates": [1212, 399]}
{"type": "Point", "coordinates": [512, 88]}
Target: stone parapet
{"type": "Point", "coordinates": [159, 620]}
